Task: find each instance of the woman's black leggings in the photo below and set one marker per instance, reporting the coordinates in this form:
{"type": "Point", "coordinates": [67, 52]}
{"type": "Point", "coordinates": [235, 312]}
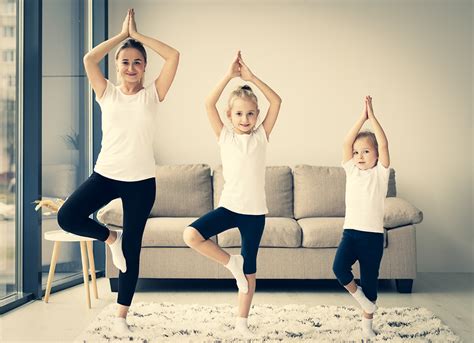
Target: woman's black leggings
{"type": "Point", "coordinates": [97, 191]}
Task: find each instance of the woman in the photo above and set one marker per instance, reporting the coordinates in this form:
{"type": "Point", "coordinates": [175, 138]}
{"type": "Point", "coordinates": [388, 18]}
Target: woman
{"type": "Point", "coordinates": [125, 167]}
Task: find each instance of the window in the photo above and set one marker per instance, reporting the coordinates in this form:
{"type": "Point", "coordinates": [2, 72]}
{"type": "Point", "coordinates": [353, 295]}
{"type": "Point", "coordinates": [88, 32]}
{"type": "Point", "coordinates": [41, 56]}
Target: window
{"type": "Point", "coordinates": [63, 169]}
{"type": "Point", "coordinates": [11, 81]}
{"type": "Point", "coordinates": [64, 134]}
{"type": "Point", "coordinates": [8, 55]}
{"type": "Point", "coordinates": [8, 31]}
{"type": "Point", "coordinates": [8, 149]}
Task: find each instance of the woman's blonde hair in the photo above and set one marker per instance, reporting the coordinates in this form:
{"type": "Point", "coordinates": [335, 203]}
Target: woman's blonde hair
{"type": "Point", "coordinates": [243, 92]}
{"type": "Point", "coordinates": [134, 44]}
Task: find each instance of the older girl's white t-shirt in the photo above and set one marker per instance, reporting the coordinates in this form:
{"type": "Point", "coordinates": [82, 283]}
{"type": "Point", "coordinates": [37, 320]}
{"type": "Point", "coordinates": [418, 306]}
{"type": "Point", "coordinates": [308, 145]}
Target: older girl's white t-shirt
{"type": "Point", "coordinates": [243, 166]}
{"type": "Point", "coordinates": [365, 197]}
{"type": "Point", "coordinates": [128, 128]}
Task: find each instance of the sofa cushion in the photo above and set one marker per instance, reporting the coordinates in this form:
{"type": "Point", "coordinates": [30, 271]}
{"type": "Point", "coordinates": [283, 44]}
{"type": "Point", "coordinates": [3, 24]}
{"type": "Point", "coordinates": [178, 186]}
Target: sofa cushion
{"type": "Point", "coordinates": [279, 232]}
{"type": "Point", "coordinates": [399, 212]}
{"type": "Point", "coordinates": [166, 232]}
{"type": "Point", "coordinates": [112, 213]}
{"type": "Point", "coordinates": [182, 191]}
{"type": "Point", "coordinates": [278, 190]}
{"type": "Point", "coordinates": [324, 232]}
{"type": "Point", "coordinates": [320, 191]}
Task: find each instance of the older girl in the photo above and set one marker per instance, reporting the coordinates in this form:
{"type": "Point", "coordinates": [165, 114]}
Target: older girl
{"type": "Point", "coordinates": [242, 203]}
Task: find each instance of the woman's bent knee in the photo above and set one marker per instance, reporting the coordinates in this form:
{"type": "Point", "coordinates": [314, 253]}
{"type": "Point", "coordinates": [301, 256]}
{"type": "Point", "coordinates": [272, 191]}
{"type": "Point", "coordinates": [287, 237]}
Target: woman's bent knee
{"type": "Point", "coordinates": [69, 220]}
{"type": "Point", "coordinates": [65, 220]}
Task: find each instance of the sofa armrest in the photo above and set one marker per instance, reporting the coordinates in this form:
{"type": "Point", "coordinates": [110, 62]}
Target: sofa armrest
{"type": "Point", "coordinates": [399, 212]}
{"type": "Point", "coordinates": [112, 213]}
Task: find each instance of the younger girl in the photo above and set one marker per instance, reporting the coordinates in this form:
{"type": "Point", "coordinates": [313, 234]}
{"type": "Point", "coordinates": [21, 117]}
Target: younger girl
{"type": "Point", "coordinates": [242, 203]}
{"type": "Point", "coordinates": [366, 162]}
{"type": "Point", "coordinates": [125, 167]}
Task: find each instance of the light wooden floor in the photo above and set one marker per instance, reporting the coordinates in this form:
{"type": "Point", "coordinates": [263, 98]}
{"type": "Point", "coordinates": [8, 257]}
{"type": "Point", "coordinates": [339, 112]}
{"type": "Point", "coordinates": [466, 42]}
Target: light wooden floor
{"type": "Point", "coordinates": [448, 295]}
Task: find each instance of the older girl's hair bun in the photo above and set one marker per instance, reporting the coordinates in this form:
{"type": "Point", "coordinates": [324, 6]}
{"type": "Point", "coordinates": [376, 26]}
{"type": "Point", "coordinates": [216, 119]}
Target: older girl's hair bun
{"type": "Point", "coordinates": [243, 92]}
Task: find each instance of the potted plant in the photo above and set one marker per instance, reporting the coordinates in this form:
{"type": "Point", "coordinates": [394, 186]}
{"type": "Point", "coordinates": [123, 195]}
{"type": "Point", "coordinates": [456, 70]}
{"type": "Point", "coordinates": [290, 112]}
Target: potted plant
{"type": "Point", "coordinates": [72, 142]}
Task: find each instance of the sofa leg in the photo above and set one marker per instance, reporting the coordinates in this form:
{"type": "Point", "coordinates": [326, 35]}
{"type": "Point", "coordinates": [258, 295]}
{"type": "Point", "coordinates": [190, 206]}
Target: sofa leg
{"type": "Point", "coordinates": [404, 285]}
{"type": "Point", "coordinates": [114, 285]}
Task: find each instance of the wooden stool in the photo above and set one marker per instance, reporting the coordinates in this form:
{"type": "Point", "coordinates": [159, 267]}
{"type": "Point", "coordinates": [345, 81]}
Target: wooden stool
{"type": "Point", "coordinates": [59, 236]}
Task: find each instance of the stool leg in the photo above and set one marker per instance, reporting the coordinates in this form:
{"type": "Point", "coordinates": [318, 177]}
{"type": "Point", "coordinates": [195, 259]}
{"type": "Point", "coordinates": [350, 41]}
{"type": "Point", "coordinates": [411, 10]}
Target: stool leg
{"type": "Point", "coordinates": [52, 267]}
{"type": "Point", "coordinates": [85, 273]}
{"type": "Point", "coordinates": [90, 254]}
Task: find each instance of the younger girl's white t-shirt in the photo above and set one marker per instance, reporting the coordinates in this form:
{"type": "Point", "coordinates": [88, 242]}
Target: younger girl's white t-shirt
{"type": "Point", "coordinates": [128, 129]}
{"type": "Point", "coordinates": [365, 197]}
{"type": "Point", "coordinates": [243, 166]}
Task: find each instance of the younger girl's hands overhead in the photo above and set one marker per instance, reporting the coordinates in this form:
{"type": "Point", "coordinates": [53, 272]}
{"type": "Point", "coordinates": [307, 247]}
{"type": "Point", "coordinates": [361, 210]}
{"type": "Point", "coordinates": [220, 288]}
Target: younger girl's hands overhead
{"type": "Point", "coordinates": [365, 112]}
{"type": "Point", "coordinates": [370, 110]}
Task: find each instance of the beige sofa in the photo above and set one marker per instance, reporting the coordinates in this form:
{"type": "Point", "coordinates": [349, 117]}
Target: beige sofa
{"type": "Point", "coordinates": [302, 230]}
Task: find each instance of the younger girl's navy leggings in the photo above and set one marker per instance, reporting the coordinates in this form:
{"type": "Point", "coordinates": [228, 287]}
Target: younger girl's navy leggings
{"type": "Point", "coordinates": [97, 191]}
{"type": "Point", "coordinates": [365, 247]}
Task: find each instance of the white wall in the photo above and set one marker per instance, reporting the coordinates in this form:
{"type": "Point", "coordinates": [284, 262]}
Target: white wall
{"type": "Point", "coordinates": [323, 57]}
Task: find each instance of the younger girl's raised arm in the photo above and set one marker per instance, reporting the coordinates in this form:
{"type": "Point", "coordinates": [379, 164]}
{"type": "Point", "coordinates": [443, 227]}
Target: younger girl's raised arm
{"type": "Point", "coordinates": [384, 156]}
{"type": "Point", "coordinates": [352, 134]}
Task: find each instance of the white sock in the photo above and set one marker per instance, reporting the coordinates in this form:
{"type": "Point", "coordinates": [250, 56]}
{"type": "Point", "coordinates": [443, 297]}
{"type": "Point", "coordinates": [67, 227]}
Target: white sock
{"type": "Point", "coordinates": [117, 253]}
{"type": "Point", "coordinates": [367, 305]}
{"type": "Point", "coordinates": [236, 267]}
{"type": "Point", "coordinates": [241, 326]}
{"type": "Point", "coordinates": [367, 331]}
{"type": "Point", "coordinates": [120, 326]}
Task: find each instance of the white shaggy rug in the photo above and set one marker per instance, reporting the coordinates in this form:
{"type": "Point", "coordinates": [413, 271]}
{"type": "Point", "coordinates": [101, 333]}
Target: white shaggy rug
{"type": "Point", "coordinates": [168, 322]}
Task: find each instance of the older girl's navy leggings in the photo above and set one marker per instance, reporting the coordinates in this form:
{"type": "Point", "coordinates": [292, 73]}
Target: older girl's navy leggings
{"type": "Point", "coordinates": [250, 226]}
{"type": "Point", "coordinates": [365, 247]}
{"type": "Point", "coordinates": [97, 191]}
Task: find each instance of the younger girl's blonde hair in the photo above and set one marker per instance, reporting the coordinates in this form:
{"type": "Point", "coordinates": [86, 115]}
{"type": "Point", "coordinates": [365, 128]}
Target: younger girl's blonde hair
{"type": "Point", "coordinates": [243, 92]}
{"type": "Point", "coordinates": [371, 136]}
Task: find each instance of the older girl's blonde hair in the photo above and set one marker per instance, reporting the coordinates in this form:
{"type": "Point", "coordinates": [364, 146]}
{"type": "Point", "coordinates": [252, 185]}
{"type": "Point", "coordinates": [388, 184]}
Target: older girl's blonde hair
{"type": "Point", "coordinates": [243, 92]}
